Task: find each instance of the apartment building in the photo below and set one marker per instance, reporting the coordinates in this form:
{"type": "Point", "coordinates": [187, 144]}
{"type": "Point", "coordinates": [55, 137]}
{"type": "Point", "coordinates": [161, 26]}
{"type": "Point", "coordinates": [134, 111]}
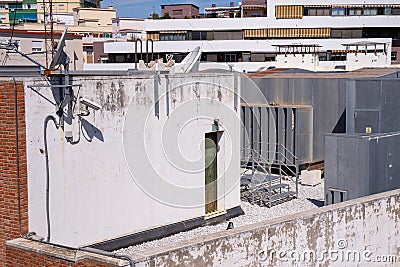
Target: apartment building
{"type": "Point", "coordinates": [32, 11]}
{"type": "Point", "coordinates": [283, 23]}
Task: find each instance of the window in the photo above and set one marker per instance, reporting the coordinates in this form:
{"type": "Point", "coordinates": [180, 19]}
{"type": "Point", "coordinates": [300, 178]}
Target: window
{"type": "Point", "coordinates": [61, 7]}
{"type": "Point", "coordinates": [256, 13]}
{"type": "Point", "coordinates": [29, 6]}
{"type": "Point", "coordinates": [246, 57]}
{"type": "Point", "coordinates": [177, 12]}
{"type": "Point", "coordinates": [173, 36]}
{"type": "Point", "coordinates": [338, 11]}
{"type": "Point", "coordinates": [355, 11]}
{"type": "Point", "coordinates": [199, 35]}
{"type": "Point", "coordinates": [313, 11]}
{"type": "Point", "coordinates": [370, 11]}
{"type": "Point", "coordinates": [387, 11]}
{"type": "Point", "coordinates": [394, 11]}
{"type": "Point", "coordinates": [37, 46]}
{"type": "Point", "coordinates": [89, 51]}
{"type": "Point", "coordinates": [394, 56]}
{"type": "Point", "coordinates": [337, 55]}
{"type": "Point", "coordinates": [230, 58]}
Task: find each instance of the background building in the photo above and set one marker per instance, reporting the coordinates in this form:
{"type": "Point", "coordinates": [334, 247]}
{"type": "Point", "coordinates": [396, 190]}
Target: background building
{"type": "Point", "coordinates": [254, 8]}
{"type": "Point", "coordinates": [32, 11]}
{"type": "Point", "coordinates": [180, 11]}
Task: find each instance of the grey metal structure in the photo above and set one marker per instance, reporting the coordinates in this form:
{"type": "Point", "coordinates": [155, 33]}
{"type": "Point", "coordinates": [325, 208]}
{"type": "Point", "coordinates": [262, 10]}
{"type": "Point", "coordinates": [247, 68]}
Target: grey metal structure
{"type": "Point", "coordinates": [319, 100]}
{"type": "Point", "coordinates": [358, 165]}
{"type": "Point", "coordinates": [289, 126]}
{"type": "Point", "coordinates": [373, 104]}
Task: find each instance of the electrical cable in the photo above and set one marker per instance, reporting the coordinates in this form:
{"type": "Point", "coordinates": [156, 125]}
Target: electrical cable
{"type": "Point", "coordinates": [48, 118]}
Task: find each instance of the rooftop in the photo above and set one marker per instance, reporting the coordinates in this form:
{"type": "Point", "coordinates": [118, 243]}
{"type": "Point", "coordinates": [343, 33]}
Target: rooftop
{"type": "Point", "coordinates": [310, 198]}
{"type": "Point", "coordinates": [296, 73]}
{"type": "Point", "coordinates": [193, 5]}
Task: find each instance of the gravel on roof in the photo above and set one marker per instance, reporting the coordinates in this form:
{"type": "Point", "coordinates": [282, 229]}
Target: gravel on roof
{"type": "Point", "coordinates": [309, 198]}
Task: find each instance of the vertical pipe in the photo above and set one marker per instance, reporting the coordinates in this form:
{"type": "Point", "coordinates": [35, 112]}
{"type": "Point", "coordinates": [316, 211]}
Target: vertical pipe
{"type": "Point", "coordinates": [156, 95]}
{"type": "Point", "coordinates": [147, 50]}
{"type": "Point", "coordinates": [141, 51]}
{"type": "Point", "coordinates": [136, 55]}
{"type": "Point", "coordinates": [167, 93]}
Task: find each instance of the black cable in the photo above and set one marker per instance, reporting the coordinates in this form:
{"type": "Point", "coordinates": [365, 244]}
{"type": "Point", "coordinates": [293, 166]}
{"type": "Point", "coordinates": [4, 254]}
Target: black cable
{"type": "Point", "coordinates": [17, 157]}
{"type": "Point", "coordinates": [48, 118]}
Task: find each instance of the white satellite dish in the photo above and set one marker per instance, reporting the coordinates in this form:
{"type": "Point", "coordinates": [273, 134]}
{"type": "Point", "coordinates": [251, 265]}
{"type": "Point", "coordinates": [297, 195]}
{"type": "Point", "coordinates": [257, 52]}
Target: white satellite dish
{"type": "Point", "coordinates": [190, 63]}
{"type": "Point", "coordinates": [59, 50]}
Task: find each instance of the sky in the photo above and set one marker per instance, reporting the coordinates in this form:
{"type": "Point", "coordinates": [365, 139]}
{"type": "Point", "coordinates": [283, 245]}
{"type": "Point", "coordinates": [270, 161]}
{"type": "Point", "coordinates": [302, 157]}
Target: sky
{"type": "Point", "coordinates": [143, 8]}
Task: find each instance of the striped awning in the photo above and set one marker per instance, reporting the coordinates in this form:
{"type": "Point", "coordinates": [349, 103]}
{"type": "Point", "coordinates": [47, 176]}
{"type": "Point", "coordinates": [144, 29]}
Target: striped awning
{"type": "Point", "coordinates": [289, 12]}
{"type": "Point", "coordinates": [253, 6]}
{"type": "Point", "coordinates": [299, 32]}
{"type": "Point", "coordinates": [321, 6]}
{"type": "Point", "coordinates": [173, 31]}
{"type": "Point", "coordinates": [376, 6]}
{"type": "Point", "coordinates": [255, 33]}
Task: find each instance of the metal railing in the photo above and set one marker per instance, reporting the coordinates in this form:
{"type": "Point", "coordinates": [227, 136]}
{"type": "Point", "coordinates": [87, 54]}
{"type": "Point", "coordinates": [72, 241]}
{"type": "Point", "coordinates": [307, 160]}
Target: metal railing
{"type": "Point", "coordinates": [276, 160]}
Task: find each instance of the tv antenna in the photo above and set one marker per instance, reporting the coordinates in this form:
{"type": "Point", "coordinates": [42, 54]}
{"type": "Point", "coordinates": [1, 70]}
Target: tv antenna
{"type": "Point", "coordinates": [48, 30]}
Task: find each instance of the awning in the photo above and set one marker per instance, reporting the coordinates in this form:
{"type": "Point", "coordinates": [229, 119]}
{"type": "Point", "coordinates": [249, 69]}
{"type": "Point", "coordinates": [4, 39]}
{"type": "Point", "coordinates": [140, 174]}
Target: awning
{"type": "Point", "coordinates": [173, 32]}
{"type": "Point", "coordinates": [254, 33]}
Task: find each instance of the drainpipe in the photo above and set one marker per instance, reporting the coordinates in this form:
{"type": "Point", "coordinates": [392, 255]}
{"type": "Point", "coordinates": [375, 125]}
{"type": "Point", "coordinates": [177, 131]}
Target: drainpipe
{"type": "Point", "coordinates": [48, 118]}
{"type": "Point", "coordinates": [110, 254]}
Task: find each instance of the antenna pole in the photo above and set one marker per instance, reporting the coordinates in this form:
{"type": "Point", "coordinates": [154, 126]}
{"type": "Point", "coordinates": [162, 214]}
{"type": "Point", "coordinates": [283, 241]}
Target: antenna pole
{"type": "Point", "coordinates": [48, 30]}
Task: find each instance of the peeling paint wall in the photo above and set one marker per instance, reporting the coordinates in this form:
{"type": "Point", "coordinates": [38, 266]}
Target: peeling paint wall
{"type": "Point", "coordinates": [335, 235]}
{"type": "Point", "coordinates": [135, 164]}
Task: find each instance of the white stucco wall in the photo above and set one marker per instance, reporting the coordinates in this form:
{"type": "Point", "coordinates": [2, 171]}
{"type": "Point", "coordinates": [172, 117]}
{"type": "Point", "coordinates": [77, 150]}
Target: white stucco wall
{"type": "Point", "coordinates": [131, 170]}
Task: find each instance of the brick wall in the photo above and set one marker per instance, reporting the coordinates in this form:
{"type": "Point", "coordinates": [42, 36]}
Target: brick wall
{"type": "Point", "coordinates": [20, 258]}
{"type": "Point", "coordinates": [9, 218]}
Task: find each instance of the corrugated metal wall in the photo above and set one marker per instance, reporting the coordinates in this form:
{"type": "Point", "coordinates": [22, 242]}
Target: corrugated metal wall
{"type": "Point", "coordinates": [324, 102]}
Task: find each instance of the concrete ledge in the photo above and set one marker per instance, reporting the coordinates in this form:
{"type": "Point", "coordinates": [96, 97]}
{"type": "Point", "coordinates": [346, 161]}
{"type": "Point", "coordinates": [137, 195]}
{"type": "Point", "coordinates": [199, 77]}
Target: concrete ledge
{"type": "Point", "coordinates": [161, 253]}
{"type": "Point", "coordinates": [63, 253]}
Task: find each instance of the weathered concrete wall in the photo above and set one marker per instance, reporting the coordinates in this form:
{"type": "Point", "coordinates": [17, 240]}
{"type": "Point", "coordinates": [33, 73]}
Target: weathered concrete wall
{"type": "Point", "coordinates": [136, 163]}
{"type": "Point", "coordinates": [368, 227]}
{"type": "Point", "coordinates": [334, 235]}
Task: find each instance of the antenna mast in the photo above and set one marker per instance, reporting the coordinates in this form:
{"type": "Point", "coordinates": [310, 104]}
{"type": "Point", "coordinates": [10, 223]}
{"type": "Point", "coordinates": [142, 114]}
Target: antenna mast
{"type": "Point", "coordinates": [48, 30]}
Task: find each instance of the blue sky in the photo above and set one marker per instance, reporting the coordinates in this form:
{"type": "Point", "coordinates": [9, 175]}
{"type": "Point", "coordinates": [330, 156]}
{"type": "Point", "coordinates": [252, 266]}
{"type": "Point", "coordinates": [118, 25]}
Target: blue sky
{"type": "Point", "coordinates": [143, 8]}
